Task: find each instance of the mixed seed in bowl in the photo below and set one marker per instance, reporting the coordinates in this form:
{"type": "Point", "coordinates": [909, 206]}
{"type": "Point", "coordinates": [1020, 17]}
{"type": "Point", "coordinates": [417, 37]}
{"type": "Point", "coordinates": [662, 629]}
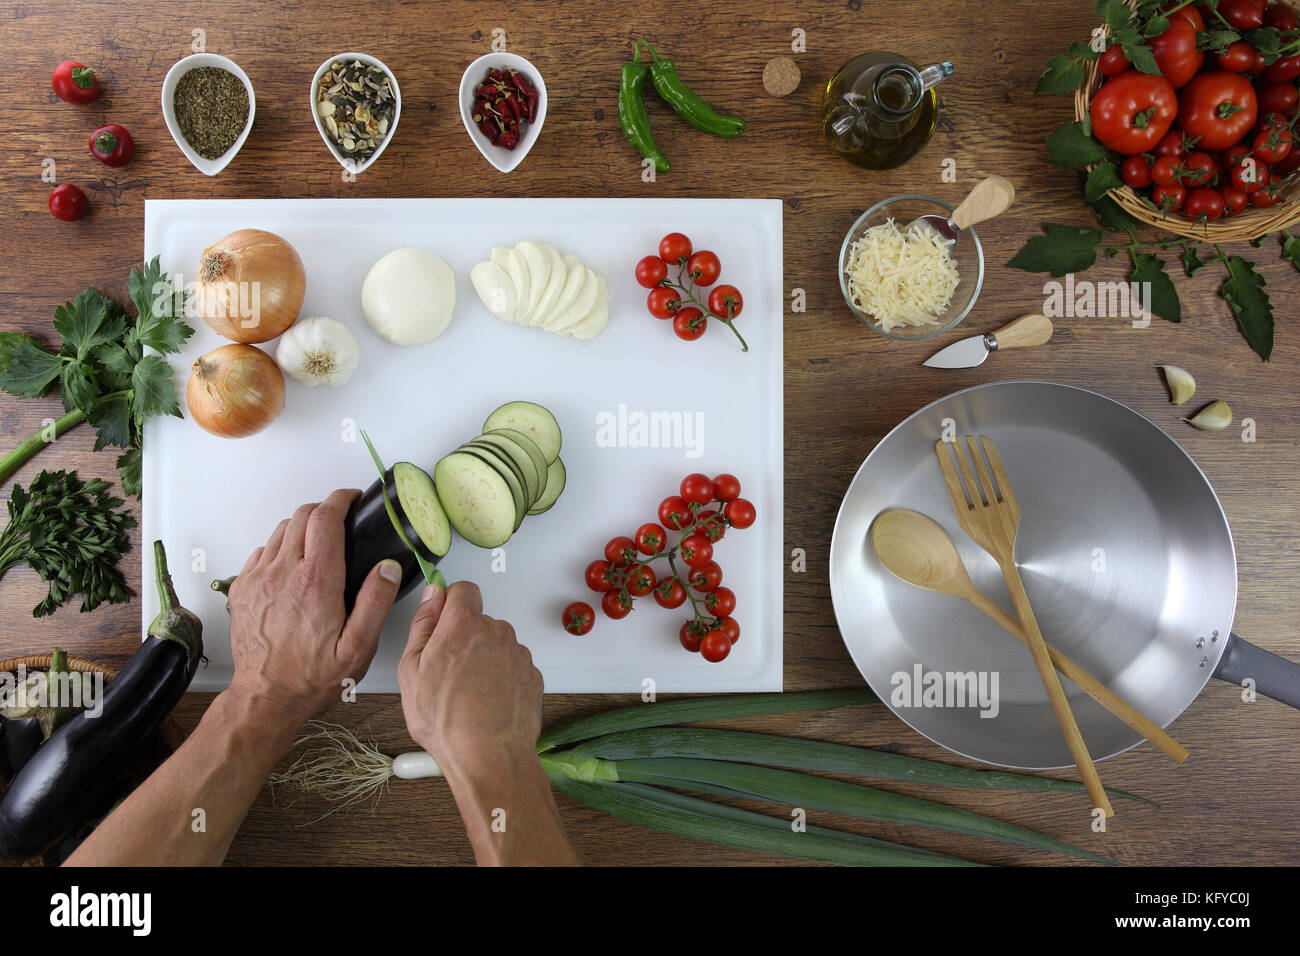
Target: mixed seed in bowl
{"type": "Point", "coordinates": [356, 103]}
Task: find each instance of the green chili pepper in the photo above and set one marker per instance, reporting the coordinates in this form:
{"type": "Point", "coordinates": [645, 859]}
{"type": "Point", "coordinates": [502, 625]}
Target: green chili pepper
{"type": "Point", "coordinates": [632, 114]}
{"type": "Point", "coordinates": [687, 104]}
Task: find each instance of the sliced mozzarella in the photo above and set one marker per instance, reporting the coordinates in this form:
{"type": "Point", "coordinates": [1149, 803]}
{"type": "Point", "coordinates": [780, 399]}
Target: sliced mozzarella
{"type": "Point", "coordinates": [539, 273]}
{"type": "Point", "coordinates": [554, 286]}
{"type": "Point", "coordinates": [518, 272]}
{"type": "Point", "coordinates": [575, 278]}
{"type": "Point", "coordinates": [580, 306]}
{"type": "Point", "coordinates": [495, 289]}
{"type": "Point", "coordinates": [594, 322]}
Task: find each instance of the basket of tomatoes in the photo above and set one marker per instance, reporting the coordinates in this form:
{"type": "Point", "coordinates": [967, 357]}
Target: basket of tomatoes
{"type": "Point", "coordinates": [1196, 104]}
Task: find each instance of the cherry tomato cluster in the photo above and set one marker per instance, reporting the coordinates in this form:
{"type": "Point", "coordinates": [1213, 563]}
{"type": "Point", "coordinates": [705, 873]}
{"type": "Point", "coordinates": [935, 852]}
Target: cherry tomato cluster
{"type": "Point", "coordinates": [625, 573]}
{"type": "Point", "coordinates": [678, 299]}
{"type": "Point", "coordinates": [111, 144]}
{"type": "Point", "coordinates": [1214, 133]}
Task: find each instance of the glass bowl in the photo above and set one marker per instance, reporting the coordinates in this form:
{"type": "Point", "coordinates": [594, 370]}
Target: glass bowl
{"type": "Point", "coordinates": [967, 254]}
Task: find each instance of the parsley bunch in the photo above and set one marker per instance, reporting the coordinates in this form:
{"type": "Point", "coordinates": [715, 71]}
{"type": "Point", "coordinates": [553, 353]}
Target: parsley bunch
{"type": "Point", "coordinates": [72, 534]}
{"type": "Point", "coordinates": [102, 369]}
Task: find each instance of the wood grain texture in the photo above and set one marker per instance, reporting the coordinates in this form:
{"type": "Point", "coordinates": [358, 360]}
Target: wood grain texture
{"type": "Point", "coordinates": [845, 386]}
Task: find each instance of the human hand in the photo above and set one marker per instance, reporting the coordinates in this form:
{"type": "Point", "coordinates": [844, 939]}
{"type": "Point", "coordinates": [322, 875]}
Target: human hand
{"type": "Point", "coordinates": [292, 641]}
{"type": "Point", "coordinates": [470, 692]}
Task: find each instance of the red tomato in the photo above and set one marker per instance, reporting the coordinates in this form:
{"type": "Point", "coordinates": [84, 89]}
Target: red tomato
{"type": "Point", "coordinates": [1218, 108]}
{"type": "Point", "coordinates": [651, 271]}
{"type": "Point", "coordinates": [1199, 169]}
{"type": "Point", "coordinates": [690, 637]}
{"type": "Point", "coordinates": [689, 324]}
{"type": "Point", "coordinates": [1283, 70]}
{"type": "Point", "coordinates": [112, 145]}
{"type": "Point", "coordinates": [669, 593]}
{"type": "Point", "coordinates": [697, 488]}
{"type": "Point", "coordinates": [1176, 53]}
{"type": "Point", "coordinates": [1132, 111]}
{"type": "Point", "coordinates": [1279, 16]}
{"type": "Point", "coordinates": [715, 646]}
{"type": "Point", "coordinates": [616, 605]}
{"type": "Point", "coordinates": [1270, 195]}
{"type": "Point", "coordinates": [663, 302]}
{"type": "Point", "coordinates": [641, 581]}
{"type": "Point", "coordinates": [1242, 14]}
{"type": "Point", "coordinates": [1170, 197]}
{"type": "Point", "coordinates": [620, 551]}
{"type": "Point", "coordinates": [720, 602]}
{"type": "Point", "coordinates": [674, 514]}
{"type": "Point", "coordinates": [1260, 64]}
{"type": "Point", "coordinates": [1136, 171]}
{"type": "Point", "coordinates": [600, 576]}
{"type": "Point", "coordinates": [1171, 144]}
{"type": "Point", "coordinates": [1165, 170]}
{"type": "Point", "coordinates": [703, 268]}
{"type": "Point", "coordinates": [1188, 13]}
{"type": "Point", "coordinates": [740, 513]}
{"type": "Point", "coordinates": [726, 487]}
{"type": "Point", "coordinates": [1232, 157]}
{"type": "Point", "coordinates": [1249, 175]}
{"type": "Point", "coordinates": [729, 627]}
{"type": "Point", "coordinates": [1272, 143]}
{"type": "Point", "coordinates": [1113, 62]}
{"type": "Point", "coordinates": [725, 301]}
{"type": "Point", "coordinates": [650, 538]}
{"type": "Point", "coordinates": [578, 618]}
{"type": "Point", "coordinates": [697, 550]}
{"type": "Point", "coordinates": [706, 577]}
{"type": "Point", "coordinates": [1288, 165]}
{"type": "Point", "coordinates": [1203, 203]}
{"type": "Point", "coordinates": [67, 202]}
{"type": "Point", "coordinates": [1238, 58]}
{"type": "Point", "coordinates": [712, 526]}
{"type": "Point", "coordinates": [674, 248]}
{"type": "Point", "coordinates": [1280, 98]}
{"type": "Point", "coordinates": [1234, 200]}
{"type": "Point", "coordinates": [74, 83]}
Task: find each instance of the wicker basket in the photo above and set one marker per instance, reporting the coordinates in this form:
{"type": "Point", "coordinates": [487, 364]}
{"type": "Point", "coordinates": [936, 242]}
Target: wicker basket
{"type": "Point", "coordinates": [1245, 225]}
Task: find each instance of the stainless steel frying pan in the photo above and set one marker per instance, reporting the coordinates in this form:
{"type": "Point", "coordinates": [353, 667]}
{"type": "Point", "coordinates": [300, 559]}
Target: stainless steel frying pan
{"type": "Point", "coordinates": [1125, 553]}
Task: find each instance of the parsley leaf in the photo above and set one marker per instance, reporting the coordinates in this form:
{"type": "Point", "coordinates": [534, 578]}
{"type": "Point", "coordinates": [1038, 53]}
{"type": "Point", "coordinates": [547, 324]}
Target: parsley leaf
{"type": "Point", "coordinates": [1071, 147]}
{"type": "Point", "coordinates": [155, 393]}
{"type": "Point", "coordinates": [1244, 290]}
{"type": "Point", "coordinates": [112, 419]}
{"type": "Point", "coordinates": [1159, 294]}
{"type": "Point", "coordinates": [1064, 249]}
{"type": "Point", "coordinates": [90, 320]}
{"type": "Point", "coordinates": [26, 369]}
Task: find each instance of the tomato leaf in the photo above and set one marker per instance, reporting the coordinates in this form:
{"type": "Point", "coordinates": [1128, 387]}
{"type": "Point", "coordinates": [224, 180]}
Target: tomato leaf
{"type": "Point", "coordinates": [1061, 78]}
{"type": "Point", "coordinates": [1291, 248]}
{"type": "Point", "coordinates": [1192, 263]}
{"type": "Point", "coordinates": [1103, 178]}
{"type": "Point", "coordinates": [1159, 294]}
{"type": "Point", "coordinates": [1137, 51]}
{"type": "Point", "coordinates": [1156, 25]}
{"type": "Point", "coordinates": [1215, 41]}
{"type": "Point", "coordinates": [1071, 147]}
{"type": "Point", "coordinates": [1064, 249]}
{"type": "Point", "coordinates": [1082, 51]}
{"type": "Point", "coordinates": [1244, 292]}
{"type": "Point", "coordinates": [1115, 13]}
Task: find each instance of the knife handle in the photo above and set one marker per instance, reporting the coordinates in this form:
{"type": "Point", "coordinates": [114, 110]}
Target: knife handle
{"type": "Point", "coordinates": [990, 197]}
{"type": "Point", "coordinates": [1024, 332]}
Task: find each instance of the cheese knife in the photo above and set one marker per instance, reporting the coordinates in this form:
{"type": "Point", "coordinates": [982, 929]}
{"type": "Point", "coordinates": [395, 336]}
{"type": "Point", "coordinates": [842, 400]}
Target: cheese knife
{"type": "Point", "coordinates": [1022, 333]}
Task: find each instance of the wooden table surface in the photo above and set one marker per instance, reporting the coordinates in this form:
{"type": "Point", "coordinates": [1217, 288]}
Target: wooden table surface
{"type": "Point", "coordinates": [1233, 802]}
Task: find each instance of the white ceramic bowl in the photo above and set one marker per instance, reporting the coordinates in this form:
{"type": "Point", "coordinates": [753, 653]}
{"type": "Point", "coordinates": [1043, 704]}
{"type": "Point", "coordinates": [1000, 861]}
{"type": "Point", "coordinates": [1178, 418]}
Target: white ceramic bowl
{"type": "Point", "coordinates": [209, 167]}
{"type": "Point", "coordinates": [504, 160]}
{"type": "Point", "coordinates": [347, 163]}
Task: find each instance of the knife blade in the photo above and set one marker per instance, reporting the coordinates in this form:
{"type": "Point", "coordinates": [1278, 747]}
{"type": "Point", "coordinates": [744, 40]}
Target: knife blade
{"type": "Point", "coordinates": [1022, 333]}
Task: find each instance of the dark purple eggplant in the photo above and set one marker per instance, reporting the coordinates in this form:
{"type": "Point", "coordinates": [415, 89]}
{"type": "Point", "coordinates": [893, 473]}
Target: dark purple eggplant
{"type": "Point", "coordinates": [71, 778]}
{"type": "Point", "coordinates": [369, 537]}
{"type": "Point", "coordinates": [19, 741]}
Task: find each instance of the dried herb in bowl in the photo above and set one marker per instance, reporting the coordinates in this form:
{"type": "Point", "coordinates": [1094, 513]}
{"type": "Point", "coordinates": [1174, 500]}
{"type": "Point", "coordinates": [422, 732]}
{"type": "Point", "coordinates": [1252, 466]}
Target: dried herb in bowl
{"type": "Point", "coordinates": [211, 107]}
{"type": "Point", "coordinates": [356, 103]}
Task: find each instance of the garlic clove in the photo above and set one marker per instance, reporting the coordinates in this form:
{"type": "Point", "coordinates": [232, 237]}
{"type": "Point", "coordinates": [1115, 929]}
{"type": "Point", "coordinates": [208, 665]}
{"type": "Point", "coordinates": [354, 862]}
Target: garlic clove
{"type": "Point", "coordinates": [1181, 384]}
{"type": "Point", "coordinates": [1214, 417]}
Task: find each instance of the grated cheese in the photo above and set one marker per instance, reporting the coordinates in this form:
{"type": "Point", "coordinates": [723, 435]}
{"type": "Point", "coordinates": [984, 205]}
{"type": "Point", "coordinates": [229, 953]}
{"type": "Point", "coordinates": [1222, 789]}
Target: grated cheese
{"type": "Point", "coordinates": [902, 278]}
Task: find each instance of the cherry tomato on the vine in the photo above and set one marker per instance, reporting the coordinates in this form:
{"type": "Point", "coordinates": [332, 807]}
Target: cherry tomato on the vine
{"type": "Point", "coordinates": [670, 594]}
{"type": "Point", "coordinates": [1239, 57]}
{"type": "Point", "coordinates": [1169, 197]}
{"type": "Point", "coordinates": [689, 324]}
{"type": "Point", "coordinates": [1136, 171]}
{"type": "Point", "coordinates": [739, 512]}
{"type": "Point", "coordinates": [1199, 169]}
{"type": "Point", "coordinates": [697, 488]}
{"type": "Point", "coordinates": [726, 487]}
{"type": "Point", "coordinates": [690, 637]}
{"type": "Point", "coordinates": [651, 271]}
{"type": "Point", "coordinates": [706, 577]}
{"type": "Point", "coordinates": [650, 538]}
{"type": "Point", "coordinates": [729, 627]}
{"type": "Point", "coordinates": [641, 581]}
{"type": "Point", "coordinates": [1269, 195]}
{"type": "Point", "coordinates": [578, 618]}
{"type": "Point", "coordinates": [1203, 203]}
{"type": "Point", "coordinates": [663, 302]}
{"type": "Point", "coordinates": [600, 576]}
{"type": "Point", "coordinates": [674, 514]}
{"type": "Point", "coordinates": [674, 248]}
{"type": "Point", "coordinates": [1165, 170]}
{"type": "Point", "coordinates": [720, 602]}
{"type": "Point", "coordinates": [1250, 175]}
{"type": "Point", "coordinates": [1272, 143]}
{"type": "Point", "coordinates": [1171, 144]}
{"type": "Point", "coordinates": [712, 526]}
{"type": "Point", "coordinates": [1234, 200]}
{"type": "Point", "coordinates": [616, 604]}
{"type": "Point", "coordinates": [726, 301]}
{"type": "Point", "coordinates": [715, 646]}
{"type": "Point", "coordinates": [703, 268]}
{"type": "Point", "coordinates": [696, 550]}
{"type": "Point", "coordinates": [1113, 62]}
{"type": "Point", "coordinates": [620, 551]}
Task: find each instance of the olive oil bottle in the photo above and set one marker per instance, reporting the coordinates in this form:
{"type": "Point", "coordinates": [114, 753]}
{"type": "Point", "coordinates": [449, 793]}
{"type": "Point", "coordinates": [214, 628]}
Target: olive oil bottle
{"type": "Point", "coordinates": [879, 110]}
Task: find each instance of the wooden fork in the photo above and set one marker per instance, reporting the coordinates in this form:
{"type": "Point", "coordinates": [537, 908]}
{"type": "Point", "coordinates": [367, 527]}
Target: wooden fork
{"type": "Point", "coordinates": [989, 514]}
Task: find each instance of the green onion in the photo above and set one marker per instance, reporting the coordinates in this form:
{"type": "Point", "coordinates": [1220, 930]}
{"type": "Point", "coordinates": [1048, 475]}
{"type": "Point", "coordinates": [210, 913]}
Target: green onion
{"type": "Point", "coordinates": [837, 796]}
{"type": "Point", "coordinates": [800, 754]}
{"type": "Point", "coordinates": [680, 816]}
{"type": "Point", "coordinates": [695, 709]}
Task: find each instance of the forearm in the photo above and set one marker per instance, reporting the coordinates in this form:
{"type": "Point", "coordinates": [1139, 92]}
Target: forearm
{"type": "Point", "coordinates": [509, 811]}
{"type": "Point", "coordinates": [189, 809]}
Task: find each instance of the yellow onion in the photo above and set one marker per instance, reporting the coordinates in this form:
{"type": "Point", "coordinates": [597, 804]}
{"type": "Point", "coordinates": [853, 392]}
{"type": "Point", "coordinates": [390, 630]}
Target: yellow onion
{"type": "Point", "coordinates": [250, 285]}
{"type": "Point", "coordinates": [235, 391]}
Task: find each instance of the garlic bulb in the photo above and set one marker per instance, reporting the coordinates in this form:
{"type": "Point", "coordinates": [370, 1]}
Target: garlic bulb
{"type": "Point", "coordinates": [318, 351]}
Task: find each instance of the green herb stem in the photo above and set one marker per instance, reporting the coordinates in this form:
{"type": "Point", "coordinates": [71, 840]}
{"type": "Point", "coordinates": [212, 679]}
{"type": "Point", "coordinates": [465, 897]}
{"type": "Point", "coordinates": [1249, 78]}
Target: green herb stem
{"type": "Point", "coordinates": [24, 453]}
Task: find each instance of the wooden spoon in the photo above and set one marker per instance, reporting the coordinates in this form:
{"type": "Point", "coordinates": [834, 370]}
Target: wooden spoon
{"type": "Point", "coordinates": [916, 549]}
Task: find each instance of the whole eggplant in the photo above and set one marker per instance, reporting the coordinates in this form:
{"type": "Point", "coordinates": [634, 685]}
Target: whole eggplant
{"type": "Point", "coordinates": [71, 777]}
{"type": "Point", "coordinates": [19, 741]}
{"type": "Point", "coordinates": [369, 537]}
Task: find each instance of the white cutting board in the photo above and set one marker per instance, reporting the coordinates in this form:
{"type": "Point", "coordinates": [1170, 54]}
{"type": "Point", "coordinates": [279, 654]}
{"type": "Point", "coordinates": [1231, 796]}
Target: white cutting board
{"type": "Point", "coordinates": [213, 500]}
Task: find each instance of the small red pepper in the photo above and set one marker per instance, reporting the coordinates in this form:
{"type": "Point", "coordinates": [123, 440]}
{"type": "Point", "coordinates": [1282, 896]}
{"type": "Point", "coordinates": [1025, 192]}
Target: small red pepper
{"type": "Point", "coordinates": [67, 202]}
{"type": "Point", "coordinates": [74, 83]}
{"type": "Point", "coordinates": [112, 145]}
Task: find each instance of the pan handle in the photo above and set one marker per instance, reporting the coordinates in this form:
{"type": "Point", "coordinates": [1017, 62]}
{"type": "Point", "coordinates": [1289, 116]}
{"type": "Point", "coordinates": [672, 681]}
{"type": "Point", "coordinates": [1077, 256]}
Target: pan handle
{"type": "Point", "coordinates": [1274, 676]}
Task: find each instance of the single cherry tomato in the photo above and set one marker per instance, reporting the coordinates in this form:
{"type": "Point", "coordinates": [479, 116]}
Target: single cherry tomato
{"type": "Point", "coordinates": [1133, 111]}
{"type": "Point", "coordinates": [616, 604]}
{"type": "Point", "coordinates": [1231, 157]}
{"type": "Point", "coordinates": [1287, 165]}
{"type": "Point", "coordinates": [620, 551]}
{"type": "Point", "coordinates": [1242, 14]}
{"type": "Point", "coordinates": [67, 202]}
{"type": "Point", "coordinates": [1260, 65]}
{"type": "Point", "coordinates": [1199, 169]}
{"type": "Point", "coordinates": [74, 83]}
{"type": "Point", "coordinates": [697, 489]}
{"type": "Point", "coordinates": [112, 145]}
{"type": "Point", "coordinates": [1171, 144]}
{"type": "Point", "coordinates": [720, 602]}
{"type": "Point", "coordinates": [703, 268]}
{"type": "Point", "coordinates": [641, 581]}
{"type": "Point", "coordinates": [1136, 171]}
{"type": "Point", "coordinates": [1165, 170]}
{"type": "Point", "coordinates": [650, 538]}
{"type": "Point", "coordinates": [1204, 203]}
{"type": "Point", "coordinates": [1239, 57]}
{"type": "Point", "coordinates": [1169, 197]}
{"type": "Point", "coordinates": [670, 594]}
{"type": "Point", "coordinates": [663, 302]}
{"type": "Point", "coordinates": [1234, 200]}
{"type": "Point", "coordinates": [739, 512]}
{"type": "Point", "coordinates": [651, 271]}
{"type": "Point", "coordinates": [725, 301]}
{"type": "Point", "coordinates": [1279, 16]}
{"type": "Point", "coordinates": [578, 618]}
{"type": "Point", "coordinates": [1249, 175]}
{"type": "Point", "coordinates": [690, 637]}
{"type": "Point", "coordinates": [1176, 52]}
{"type": "Point", "coordinates": [1188, 13]}
{"type": "Point", "coordinates": [1280, 98]}
{"type": "Point", "coordinates": [696, 550]}
{"type": "Point", "coordinates": [707, 577]}
{"type": "Point", "coordinates": [1272, 143]}
{"type": "Point", "coordinates": [728, 626]}
{"type": "Point", "coordinates": [712, 526]}
{"type": "Point", "coordinates": [674, 248]}
{"type": "Point", "coordinates": [689, 324]}
{"type": "Point", "coordinates": [1113, 62]}
{"type": "Point", "coordinates": [600, 576]}
{"type": "Point", "coordinates": [726, 487]}
{"type": "Point", "coordinates": [1270, 195]}
{"type": "Point", "coordinates": [1284, 70]}
{"type": "Point", "coordinates": [715, 646]}
{"type": "Point", "coordinates": [1218, 108]}
{"type": "Point", "coordinates": [674, 514]}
